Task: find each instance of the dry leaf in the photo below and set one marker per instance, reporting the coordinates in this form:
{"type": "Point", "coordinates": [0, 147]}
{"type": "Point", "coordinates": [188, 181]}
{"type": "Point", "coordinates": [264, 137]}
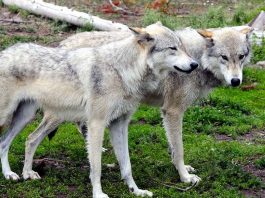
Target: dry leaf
{"type": "Point", "coordinates": [159, 4]}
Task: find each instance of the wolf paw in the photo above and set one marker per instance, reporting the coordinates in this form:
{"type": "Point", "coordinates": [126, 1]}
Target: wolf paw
{"type": "Point", "coordinates": [142, 193]}
{"type": "Point", "coordinates": [31, 175]}
{"type": "Point", "coordinates": [100, 195]}
{"type": "Point", "coordinates": [190, 169]}
{"type": "Point", "coordinates": [191, 178]}
{"type": "Point", "coordinates": [11, 176]}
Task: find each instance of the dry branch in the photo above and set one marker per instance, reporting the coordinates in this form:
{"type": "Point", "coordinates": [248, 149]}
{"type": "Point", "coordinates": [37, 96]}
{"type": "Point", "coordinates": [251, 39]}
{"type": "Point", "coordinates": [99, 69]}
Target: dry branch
{"type": "Point", "coordinates": [65, 14]}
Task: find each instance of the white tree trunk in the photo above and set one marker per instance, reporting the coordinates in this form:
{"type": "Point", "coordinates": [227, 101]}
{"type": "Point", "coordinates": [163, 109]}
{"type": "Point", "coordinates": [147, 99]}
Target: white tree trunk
{"type": "Point", "coordinates": [65, 14]}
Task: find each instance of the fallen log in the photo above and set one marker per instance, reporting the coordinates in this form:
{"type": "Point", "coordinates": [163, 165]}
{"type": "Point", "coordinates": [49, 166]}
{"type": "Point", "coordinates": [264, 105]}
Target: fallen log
{"type": "Point", "coordinates": [65, 14]}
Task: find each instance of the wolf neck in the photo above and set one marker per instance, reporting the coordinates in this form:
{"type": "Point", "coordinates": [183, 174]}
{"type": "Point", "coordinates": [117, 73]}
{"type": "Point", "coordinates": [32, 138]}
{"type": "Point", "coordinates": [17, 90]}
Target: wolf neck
{"type": "Point", "coordinates": [132, 63]}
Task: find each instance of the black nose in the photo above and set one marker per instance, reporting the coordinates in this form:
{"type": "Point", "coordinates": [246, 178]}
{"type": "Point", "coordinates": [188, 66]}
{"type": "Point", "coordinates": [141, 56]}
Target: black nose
{"type": "Point", "coordinates": [194, 65]}
{"type": "Point", "coordinates": [235, 82]}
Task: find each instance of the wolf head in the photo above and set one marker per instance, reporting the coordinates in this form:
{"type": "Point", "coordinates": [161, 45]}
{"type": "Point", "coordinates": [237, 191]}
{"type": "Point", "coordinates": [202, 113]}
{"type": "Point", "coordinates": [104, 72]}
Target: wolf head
{"type": "Point", "coordinates": [166, 52]}
{"type": "Point", "coordinates": [228, 50]}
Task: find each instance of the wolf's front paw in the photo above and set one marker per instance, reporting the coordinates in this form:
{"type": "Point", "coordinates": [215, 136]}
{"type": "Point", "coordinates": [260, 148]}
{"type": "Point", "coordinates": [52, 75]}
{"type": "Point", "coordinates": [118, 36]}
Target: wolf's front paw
{"type": "Point", "coordinates": [141, 193]}
{"type": "Point", "coordinates": [190, 169]}
{"type": "Point", "coordinates": [11, 176]}
{"type": "Point", "coordinates": [31, 175]}
{"type": "Point", "coordinates": [100, 195]}
{"type": "Point", "coordinates": [191, 178]}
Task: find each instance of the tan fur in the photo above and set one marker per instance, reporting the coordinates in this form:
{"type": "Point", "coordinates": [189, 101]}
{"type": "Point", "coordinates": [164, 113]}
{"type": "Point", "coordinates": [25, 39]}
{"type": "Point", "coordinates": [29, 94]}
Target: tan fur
{"type": "Point", "coordinates": [246, 30]}
{"type": "Point", "coordinates": [205, 33]}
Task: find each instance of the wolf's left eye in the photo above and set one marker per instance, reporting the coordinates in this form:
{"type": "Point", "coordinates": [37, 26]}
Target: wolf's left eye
{"type": "Point", "coordinates": [173, 48]}
{"type": "Point", "coordinates": [241, 56]}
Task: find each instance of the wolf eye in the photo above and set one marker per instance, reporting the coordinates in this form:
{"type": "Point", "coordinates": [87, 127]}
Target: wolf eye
{"type": "Point", "coordinates": [241, 56]}
{"type": "Point", "coordinates": [224, 57]}
{"type": "Point", "coordinates": [173, 48]}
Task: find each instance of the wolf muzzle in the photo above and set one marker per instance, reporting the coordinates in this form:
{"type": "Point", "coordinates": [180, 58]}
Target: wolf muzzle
{"type": "Point", "coordinates": [193, 66]}
{"type": "Point", "coordinates": [235, 82]}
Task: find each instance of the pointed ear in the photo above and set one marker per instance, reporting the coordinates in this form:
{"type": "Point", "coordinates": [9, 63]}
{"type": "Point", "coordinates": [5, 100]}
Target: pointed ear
{"type": "Point", "coordinates": [208, 37]}
{"type": "Point", "coordinates": [135, 30]}
{"type": "Point", "coordinates": [205, 33]}
{"type": "Point", "coordinates": [142, 36]}
{"type": "Point", "coordinates": [247, 30]}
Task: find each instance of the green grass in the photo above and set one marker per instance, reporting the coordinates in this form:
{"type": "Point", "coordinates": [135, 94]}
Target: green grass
{"type": "Point", "coordinates": [219, 163]}
{"type": "Point", "coordinates": [227, 111]}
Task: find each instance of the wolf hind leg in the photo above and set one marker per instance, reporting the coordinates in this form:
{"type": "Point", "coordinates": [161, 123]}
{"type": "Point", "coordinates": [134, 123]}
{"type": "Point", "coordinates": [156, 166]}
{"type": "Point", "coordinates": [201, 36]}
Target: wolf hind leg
{"type": "Point", "coordinates": [24, 113]}
{"type": "Point", "coordinates": [119, 139]}
{"type": "Point", "coordinates": [48, 124]}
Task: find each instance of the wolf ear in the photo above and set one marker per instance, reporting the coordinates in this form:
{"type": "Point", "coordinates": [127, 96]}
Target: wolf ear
{"type": "Point", "coordinates": [247, 31]}
{"type": "Point", "coordinates": [142, 36]}
{"type": "Point", "coordinates": [208, 36]}
{"type": "Point", "coordinates": [205, 33]}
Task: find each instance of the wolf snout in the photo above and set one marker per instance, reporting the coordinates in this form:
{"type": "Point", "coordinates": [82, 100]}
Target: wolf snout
{"type": "Point", "coordinates": [193, 65]}
{"type": "Point", "coordinates": [235, 82]}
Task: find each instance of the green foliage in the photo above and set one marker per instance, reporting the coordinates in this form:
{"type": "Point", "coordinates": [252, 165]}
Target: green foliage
{"type": "Point", "coordinates": [215, 17]}
{"type": "Point", "coordinates": [88, 27]}
{"type": "Point", "coordinates": [24, 13]}
{"type": "Point", "coordinates": [258, 52]}
{"type": "Point", "coordinates": [13, 9]}
{"type": "Point", "coordinates": [61, 26]}
{"type": "Point", "coordinates": [243, 15]}
{"type": "Point", "coordinates": [260, 163]}
{"type": "Point", "coordinates": [240, 16]}
{"type": "Point", "coordinates": [152, 16]}
{"type": "Point", "coordinates": [6, 41]}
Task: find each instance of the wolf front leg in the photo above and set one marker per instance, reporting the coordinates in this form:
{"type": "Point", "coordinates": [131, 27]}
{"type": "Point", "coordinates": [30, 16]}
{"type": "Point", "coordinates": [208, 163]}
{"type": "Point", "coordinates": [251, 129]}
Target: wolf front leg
{"type": "Point", "coordinates": [48, 124]}
{"type": "Point", "coordinates": [94, 139]}
{"type": "Point", "coordinates": [173, 124]}
{"type": "Point", "coordinates": [119, 139]}
{"type": "Point", "coordinates": [24, 113]}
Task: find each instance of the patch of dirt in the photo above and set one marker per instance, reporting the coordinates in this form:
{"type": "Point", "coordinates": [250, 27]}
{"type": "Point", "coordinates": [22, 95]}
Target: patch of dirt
{"type": "Point", "coordinates": [254, 194]}
{"type": "Point", "coordinates": [72, 188]}
{"type": "Point", "coordinates": [251, 137]}
{"type": "Point", "coordinates": [223, 137]}
{"type": "Point", "coordinates": [260, 173]}
{"type": "Point", "coordinates": [14, 24]}
{"type": "Point", "coordinates": [251, 168]}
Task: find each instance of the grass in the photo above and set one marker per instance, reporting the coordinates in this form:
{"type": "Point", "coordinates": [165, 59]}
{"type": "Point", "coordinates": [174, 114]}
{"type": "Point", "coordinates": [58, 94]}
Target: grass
{"type": "Point", "coordinates": [227, 111]}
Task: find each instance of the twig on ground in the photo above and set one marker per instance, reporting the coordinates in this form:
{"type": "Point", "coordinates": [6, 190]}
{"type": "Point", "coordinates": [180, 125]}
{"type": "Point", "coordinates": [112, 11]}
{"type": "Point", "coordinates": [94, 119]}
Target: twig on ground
{"type": "Point", "coordinates": [170, 185]}
{"type": "Point", "coordinates": [14, 21]}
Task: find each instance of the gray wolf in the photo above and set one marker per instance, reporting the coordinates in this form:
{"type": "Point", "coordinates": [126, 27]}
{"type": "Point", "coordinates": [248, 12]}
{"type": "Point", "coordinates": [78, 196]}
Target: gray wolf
{"type": "Point", "coordinates": [221, 53]}
{"type": "Point", "coordinates": [77, 85]}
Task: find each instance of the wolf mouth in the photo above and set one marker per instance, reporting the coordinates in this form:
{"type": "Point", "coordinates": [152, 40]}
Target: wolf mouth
{"type": "Point", "coordinates": [185, 71]}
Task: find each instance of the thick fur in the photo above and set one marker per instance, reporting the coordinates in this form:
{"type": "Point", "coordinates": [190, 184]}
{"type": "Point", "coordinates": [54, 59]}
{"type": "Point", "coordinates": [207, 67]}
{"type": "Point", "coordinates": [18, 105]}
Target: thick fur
{"type": "Point", "coordinates": [77, 85]}
{"type": "Point", "coordinates": [178, 91]}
